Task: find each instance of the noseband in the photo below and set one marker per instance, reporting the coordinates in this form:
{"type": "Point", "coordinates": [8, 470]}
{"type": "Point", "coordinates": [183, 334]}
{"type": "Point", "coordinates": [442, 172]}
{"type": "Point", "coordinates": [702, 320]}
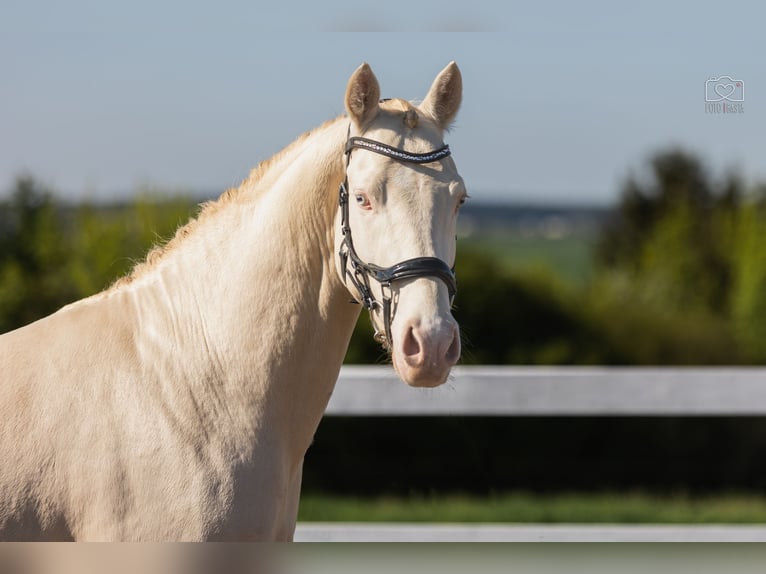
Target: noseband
{"type": "Point", "coordinates": [360, 273]}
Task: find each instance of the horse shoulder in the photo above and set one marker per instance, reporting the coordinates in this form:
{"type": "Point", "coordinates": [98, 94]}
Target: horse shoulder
{"type": "Point", "coordinates": [54, 406]}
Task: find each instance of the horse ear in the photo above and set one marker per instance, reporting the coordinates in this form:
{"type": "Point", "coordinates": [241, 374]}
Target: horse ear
{"type": "Point", "coordinates": [443, 99]}
{"type": "Point", "coordinates": [362, 95]}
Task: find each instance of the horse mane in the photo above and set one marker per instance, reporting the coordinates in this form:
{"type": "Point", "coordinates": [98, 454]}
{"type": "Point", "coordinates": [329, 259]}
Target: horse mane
{"type": "Point", "coordinates": [249, 187]}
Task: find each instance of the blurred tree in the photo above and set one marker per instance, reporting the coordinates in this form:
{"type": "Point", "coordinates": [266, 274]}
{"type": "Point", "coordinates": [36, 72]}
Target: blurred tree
{"type": "Point", "coordinates": [100, 248]}
{"type": "Point", "coordinates": [519, 319]}
{"type": "Point", "coordinates": [673, 232]}
{"type": "Point", "coordinates": [107, 241]}
{"type": "Point", "coordinates": [52, 254]}
{"type": "Point", "coordinates": [32, 256]}
{"type": "Point", "coordinates": [682, 275]}
{"type": "Point", "coordinates": [749, 289]}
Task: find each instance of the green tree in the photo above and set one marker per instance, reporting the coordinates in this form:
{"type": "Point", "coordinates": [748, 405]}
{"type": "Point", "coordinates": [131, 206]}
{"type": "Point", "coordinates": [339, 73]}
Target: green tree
{"type": "Point", "coordinates": [52, 254]}
{"type": "Point", "coordinates": [673, 233]}
{"type": "Point", "coordinates": [32, 256]}
{"type": "Point", "coordinates": [749, 289]}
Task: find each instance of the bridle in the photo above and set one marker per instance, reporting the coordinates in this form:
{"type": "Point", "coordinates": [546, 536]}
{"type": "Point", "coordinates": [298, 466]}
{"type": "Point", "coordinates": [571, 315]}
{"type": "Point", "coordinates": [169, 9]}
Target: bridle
{"type": "Point", "coordinates": [361, 272]}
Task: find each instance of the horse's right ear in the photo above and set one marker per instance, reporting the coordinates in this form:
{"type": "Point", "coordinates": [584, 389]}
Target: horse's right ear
{"type": "Point", "coordinates": [362, 95]}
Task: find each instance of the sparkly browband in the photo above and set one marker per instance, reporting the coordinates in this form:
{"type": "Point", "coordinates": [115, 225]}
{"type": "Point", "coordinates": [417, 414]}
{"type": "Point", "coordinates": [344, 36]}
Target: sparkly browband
{"type": "Point", "coordinates": [395, 153]}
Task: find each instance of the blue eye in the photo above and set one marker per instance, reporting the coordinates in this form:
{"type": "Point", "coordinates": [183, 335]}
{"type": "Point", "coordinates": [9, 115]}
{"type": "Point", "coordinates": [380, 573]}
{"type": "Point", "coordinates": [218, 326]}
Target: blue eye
{"type": "Point", "coordinates": [359, 198]}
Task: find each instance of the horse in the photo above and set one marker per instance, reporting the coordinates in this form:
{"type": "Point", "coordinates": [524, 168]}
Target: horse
{"type": "Point", "coordinates": [178, 403]}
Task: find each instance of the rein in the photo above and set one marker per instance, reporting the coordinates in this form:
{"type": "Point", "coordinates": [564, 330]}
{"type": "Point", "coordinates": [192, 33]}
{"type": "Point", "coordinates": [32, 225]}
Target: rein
{"type": "Point", "coordinates": [361, 272]}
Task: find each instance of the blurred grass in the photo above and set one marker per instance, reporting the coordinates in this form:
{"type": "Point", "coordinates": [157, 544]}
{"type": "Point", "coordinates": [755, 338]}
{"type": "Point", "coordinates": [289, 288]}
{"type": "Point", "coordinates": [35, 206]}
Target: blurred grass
{"type": "Point", "coordinates": [583, 508]}
{"type": "Point", "coordinates": [568, 258]}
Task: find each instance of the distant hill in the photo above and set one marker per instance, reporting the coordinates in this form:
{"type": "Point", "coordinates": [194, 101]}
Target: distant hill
{"type": "Point", "coordinates": [547, 221]}
{"type": "Point", "coordinates": [477, 218]}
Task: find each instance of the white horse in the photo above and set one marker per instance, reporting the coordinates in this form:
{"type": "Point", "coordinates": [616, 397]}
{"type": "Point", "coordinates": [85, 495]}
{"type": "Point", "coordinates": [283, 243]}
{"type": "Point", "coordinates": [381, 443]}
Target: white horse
{"type": "Point", "coordinates": [179, 403]}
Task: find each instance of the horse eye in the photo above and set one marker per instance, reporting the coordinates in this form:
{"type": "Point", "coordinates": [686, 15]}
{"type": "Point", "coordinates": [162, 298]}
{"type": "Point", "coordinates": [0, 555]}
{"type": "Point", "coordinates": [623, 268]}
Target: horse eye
{"type": "Point", "coordinates": [362, 200]}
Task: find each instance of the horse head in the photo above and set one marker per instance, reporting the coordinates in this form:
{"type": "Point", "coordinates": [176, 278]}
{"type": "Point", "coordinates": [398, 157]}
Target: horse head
{"type": "Point", "coordinates": [396, 235]}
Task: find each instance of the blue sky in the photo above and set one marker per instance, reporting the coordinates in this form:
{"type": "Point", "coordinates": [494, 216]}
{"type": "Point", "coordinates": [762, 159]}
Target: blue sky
{"type": "Point", "coordinates": [561, 99]}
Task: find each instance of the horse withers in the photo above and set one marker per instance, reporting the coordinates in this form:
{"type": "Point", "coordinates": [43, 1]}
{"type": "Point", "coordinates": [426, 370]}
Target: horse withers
{"type": "Point", "coordinates": [178, 404]}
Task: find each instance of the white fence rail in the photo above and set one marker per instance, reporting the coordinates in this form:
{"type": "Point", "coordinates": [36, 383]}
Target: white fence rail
{"type": "Point", "coordinates": [545, 391]}
{"type": "Point", "coordinates": [534, 391]}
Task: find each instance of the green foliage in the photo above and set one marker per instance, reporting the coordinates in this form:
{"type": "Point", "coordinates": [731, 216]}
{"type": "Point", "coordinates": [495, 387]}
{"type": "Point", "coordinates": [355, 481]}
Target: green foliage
{"type": "Point", "coordinates": [678, 275]}
{"type": "Point", "coordinates": [642, 330]}
{"type": "Point", "coordinates": [52, 254]}
{"type": "Point", "coordinates": [668, 233]}
{"type": "Point", "coordinates": [748, 299]}
{"type": "Point", "coordinates": [518, 318]}
{"type": "Point", "coordinates": [568, 258]}
{"type": "Point", "coordinates": [687, 251]}
{"type": "Point", "coordinates": [31, 256]}
{"type": "Point", "coordinates": [105, 243]}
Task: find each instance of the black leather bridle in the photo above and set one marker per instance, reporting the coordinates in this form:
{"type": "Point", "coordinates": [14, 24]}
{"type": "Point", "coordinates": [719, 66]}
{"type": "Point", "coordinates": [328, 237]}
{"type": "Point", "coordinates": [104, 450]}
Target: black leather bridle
{"type": "Point", "coordinates": [360, 272]}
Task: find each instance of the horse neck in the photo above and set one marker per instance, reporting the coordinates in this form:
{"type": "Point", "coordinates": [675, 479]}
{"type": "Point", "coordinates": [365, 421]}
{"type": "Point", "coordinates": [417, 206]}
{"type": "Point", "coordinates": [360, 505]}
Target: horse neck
{"type": "Point", "coordinates": [256, 287]}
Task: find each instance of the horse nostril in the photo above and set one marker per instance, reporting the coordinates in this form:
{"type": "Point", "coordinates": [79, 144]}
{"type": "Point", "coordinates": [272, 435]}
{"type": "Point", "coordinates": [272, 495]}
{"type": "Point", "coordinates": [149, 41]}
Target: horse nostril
{"type": "Point", "coordinates": [411, 346]}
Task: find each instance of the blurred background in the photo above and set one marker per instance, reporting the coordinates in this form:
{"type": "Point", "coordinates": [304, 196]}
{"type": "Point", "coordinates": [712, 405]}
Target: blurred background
{"type": "Point", "coordinates": [614, 155]}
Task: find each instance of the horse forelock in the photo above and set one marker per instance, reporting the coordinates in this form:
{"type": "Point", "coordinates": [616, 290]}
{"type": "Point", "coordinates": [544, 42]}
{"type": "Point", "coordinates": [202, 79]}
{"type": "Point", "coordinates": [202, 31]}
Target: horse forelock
{"type": "Point", "coordinates": [402, 108]}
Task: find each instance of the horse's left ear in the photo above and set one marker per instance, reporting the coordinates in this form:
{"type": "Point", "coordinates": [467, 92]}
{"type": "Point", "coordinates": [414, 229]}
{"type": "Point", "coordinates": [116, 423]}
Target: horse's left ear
{"type": "Point", "coordinates": [443, 99]}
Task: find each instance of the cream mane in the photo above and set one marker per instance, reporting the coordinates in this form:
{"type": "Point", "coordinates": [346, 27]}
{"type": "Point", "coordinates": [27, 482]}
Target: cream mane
{"type": "Point", "coordinates": [251, 189]}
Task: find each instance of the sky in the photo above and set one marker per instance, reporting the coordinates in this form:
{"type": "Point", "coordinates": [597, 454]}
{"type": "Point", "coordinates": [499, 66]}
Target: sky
{"type": "Point", "coordinates": [561, 102]}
